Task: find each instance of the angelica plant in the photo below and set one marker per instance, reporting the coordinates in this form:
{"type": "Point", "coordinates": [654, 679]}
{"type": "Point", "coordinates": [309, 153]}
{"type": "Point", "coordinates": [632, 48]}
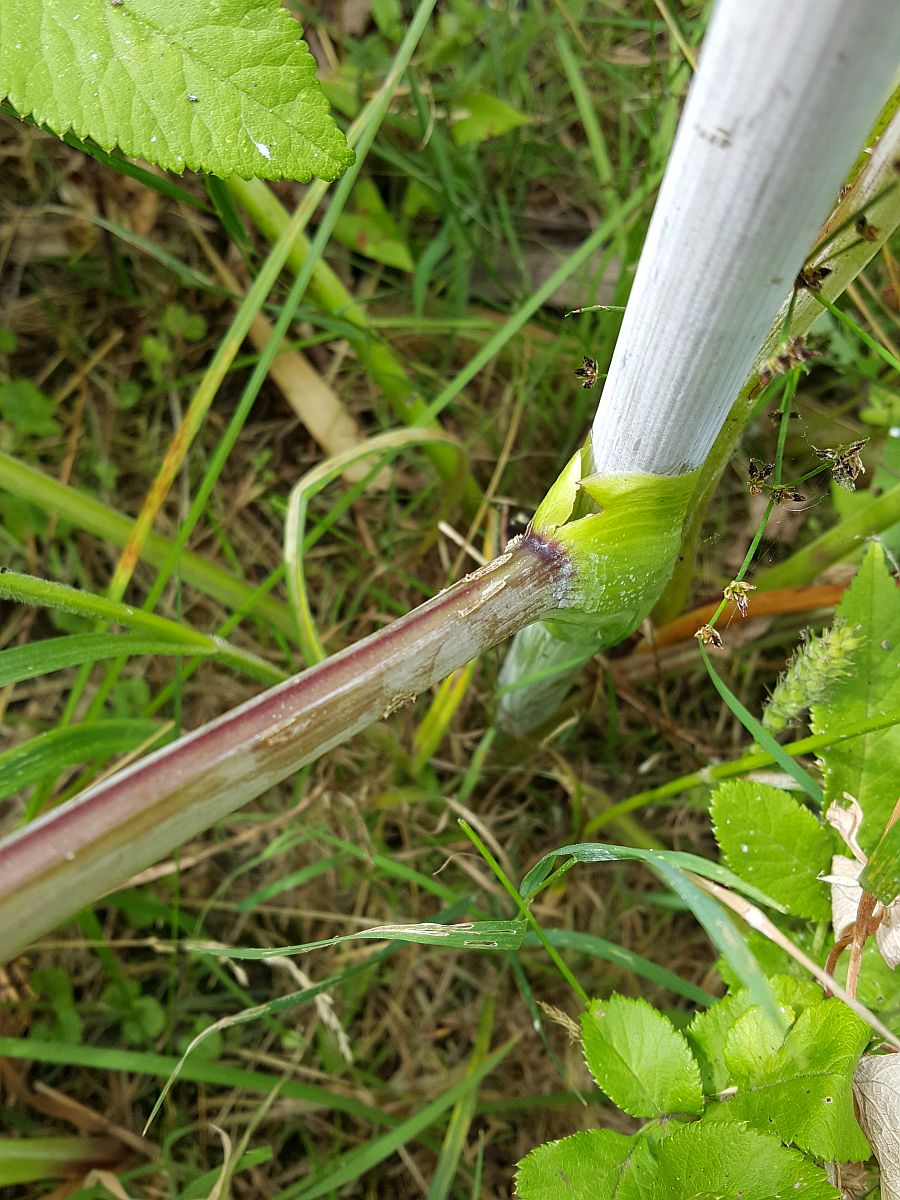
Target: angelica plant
{"type": "Point", "coordinates": [752, 176]}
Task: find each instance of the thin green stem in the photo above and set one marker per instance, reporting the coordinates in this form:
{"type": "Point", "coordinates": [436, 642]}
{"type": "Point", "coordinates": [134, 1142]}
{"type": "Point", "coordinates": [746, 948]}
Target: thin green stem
{"type": "Point", "coordinates": [510, 888]}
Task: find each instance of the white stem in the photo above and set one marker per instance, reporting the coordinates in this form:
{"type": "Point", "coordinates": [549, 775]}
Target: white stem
{"type": "Point", "coordinates": [785, 96]}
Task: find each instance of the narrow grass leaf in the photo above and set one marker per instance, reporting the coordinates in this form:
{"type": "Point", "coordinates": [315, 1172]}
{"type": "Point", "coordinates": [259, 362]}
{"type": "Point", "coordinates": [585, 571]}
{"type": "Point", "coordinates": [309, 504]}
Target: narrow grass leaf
{"type": "Point", "coordinates": [596, 852]}
{"type": "Point", "coordinates": [352, 1166]}
{"type": "Point", "coordinates": [57, 749]}
{"type": "Point", "coordinates": [467, 935]}
{"type": "Point", "coordinates": [198, 1070]}
{"type": "Point", "coordinates": [77, 649]}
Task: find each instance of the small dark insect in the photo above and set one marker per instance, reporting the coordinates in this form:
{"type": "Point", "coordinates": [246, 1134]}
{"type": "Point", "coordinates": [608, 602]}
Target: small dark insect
{"type": "Point", "coordinates": [794, 352]}
{"type": "Point", "coordinates": [846, 464]}
{"type": "Point", "coordinates": [737, 592]}
{"type": "Point", "coordinates": [587, 373]}
{"type": "Point", "coordinates": [709, 637]}
{"type": "Point", "coordinates": [757, 475]}
{"type": "Point", "coordinates": [781, 494]}
{"type": "Point", "coordinates": [866, 230]}
{"type": "Point", "coordinates": [811, 278]}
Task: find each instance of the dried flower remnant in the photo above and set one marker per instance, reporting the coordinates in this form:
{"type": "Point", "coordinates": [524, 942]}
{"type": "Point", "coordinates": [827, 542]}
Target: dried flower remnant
{"type": "Point", "coordinates": [846, 464]}
{"type": "Point", "coordinates": [757, 475]}
{"type": "Point", "coordinates": [866, 230]}
{"type": "Point", "coordinates": [588, 373]}
{"type": "Point", "coordinates": [738, 593]}
{"type": "Point", "coordinates": [792, 354]}
{"type": "Point", "coordinates": [781, 494]}
{"type": "Point", "coordinates": [811, 278]}
{"type": "Point", "coordinates": [708, 636]}
{"type": "Point", "coordinates": [876, 1089]}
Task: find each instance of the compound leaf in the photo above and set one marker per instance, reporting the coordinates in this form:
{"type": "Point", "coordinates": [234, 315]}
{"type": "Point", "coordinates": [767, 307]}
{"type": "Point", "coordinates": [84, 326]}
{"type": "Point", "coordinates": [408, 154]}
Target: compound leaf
{"type": "Point", "coordinates": [229, 88]}
{"type": "Point", "coordinates": [639, 1058]}
{"type": "Point", "coordinates": [802, 1092]}
{"type": "Point", "coordinates": [774, 843]}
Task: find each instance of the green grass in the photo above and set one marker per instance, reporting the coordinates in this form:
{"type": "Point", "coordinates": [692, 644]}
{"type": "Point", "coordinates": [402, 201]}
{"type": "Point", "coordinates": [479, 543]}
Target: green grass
{"type": "Point", "coordinates": [417, 1070]}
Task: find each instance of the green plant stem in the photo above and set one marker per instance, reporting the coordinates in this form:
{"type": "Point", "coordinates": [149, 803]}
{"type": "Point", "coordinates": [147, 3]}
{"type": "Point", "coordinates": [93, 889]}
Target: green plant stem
{"type": "Point", "coordinates": [82, 849]}
{"type": "Point", "coordinates": [739, 766]}
{"type": "Point", "coordinates": [523, 907]}
{"type": "Point", "coordinates": [833, 545]}
{"type": "Point", "coordinates": [875, 191]}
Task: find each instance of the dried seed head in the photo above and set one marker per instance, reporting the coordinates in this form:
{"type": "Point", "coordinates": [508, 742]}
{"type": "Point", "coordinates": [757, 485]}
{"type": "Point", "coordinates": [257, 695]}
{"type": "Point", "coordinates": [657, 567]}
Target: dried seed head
{"type": "Point", "coordinates": [587, 373]}
{"type": "Point", "coordinates": [846, 463]}
{"type": "Point", "coordinates": [709, 637]}
{"type": "Point", "coordinates": [757, 475]}
{"type": "Point", "coordinates": [792, 354]}
{"type": "Point", "coordinates": [782, 493]}
{"type": "Point", "coordinates": [738, 593]}
{"type": "Point", "coordinates": [811, 278]}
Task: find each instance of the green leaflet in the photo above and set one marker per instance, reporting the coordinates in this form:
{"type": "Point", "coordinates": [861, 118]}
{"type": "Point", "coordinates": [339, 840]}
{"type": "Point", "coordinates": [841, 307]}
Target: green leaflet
{"type": "Point", "coordinates": [639, 1058]}
{"type": "Point", "coordinates": [228, 88]}
{"type": "Point", "coordinates": [773, 842]}
{"type": "Point", "coordinates": [708, 1032]}
{"type": "Point", "coordinates": [802, 1091]}
{"type": "Point", "coordinates": [688, 1164]}
{"type": "Point", "coordinates": [868, 767]}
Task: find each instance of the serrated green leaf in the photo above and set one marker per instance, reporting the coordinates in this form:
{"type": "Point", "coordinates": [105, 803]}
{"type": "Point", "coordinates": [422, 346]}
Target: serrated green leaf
{"type": "Point", "coordinates": [585, 1164]}
{"type": "Point", "coordinates": [708, 1032]}
{"type": "Point", "coordinates": [370, 230]}
{"type": "Point", "coordinates": [482, 116]}
{"type": "Point", "coordinates": [867, 767]}
{"type": "Point", "coordinates": [803, 1091]}
{"type": "Point", "coordinates": [227, 88]}
{"type": "Point", "coordinates": [750, 1043]}
{"type": "Point", "coordinates": [639, 1059]}
{"type": "Point", "coordinates": [49, 753]}
{"type": "Point", "coordinates": [710, 1162]}
{"type": "Point", "coordinates": [775, 843]}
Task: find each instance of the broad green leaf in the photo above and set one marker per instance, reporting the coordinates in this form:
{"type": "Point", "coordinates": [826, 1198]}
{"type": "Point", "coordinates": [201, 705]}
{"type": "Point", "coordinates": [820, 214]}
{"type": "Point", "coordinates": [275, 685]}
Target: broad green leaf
{"type": "Point", "coordinates": [51, 752]}
{"type": "Point", "coordinates": [480, 116]}
{"type": "Point", "coordinates": [709, 1162]}
{"type": "Point", "coordinates": [750, 1043]}
{"type": "Point", "coordinates": [881, 876]}
{"type": "Point", "coordinates": [369, 229]}
{"type": "Point", "coordinates": [868, 767]}
{"type": "Point", "coordinates": [775, 843]}
{"type": "Point", "coordinates": [707, 1034]}
{"type": "Point", "coordinates": [639, 1059]}
{"type": "Point", "coordinates": [802, 1092]}
{"type": "Point", "coordinates": [587, 1164]}
{"type": "Point", "coordinates": [227, 88]}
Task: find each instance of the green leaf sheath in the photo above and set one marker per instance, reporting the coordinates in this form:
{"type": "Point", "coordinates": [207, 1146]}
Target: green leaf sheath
{"type": "Point", "coordinates": [229, 88]}
{"type": "Point", "coordinates": [623, 534]}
